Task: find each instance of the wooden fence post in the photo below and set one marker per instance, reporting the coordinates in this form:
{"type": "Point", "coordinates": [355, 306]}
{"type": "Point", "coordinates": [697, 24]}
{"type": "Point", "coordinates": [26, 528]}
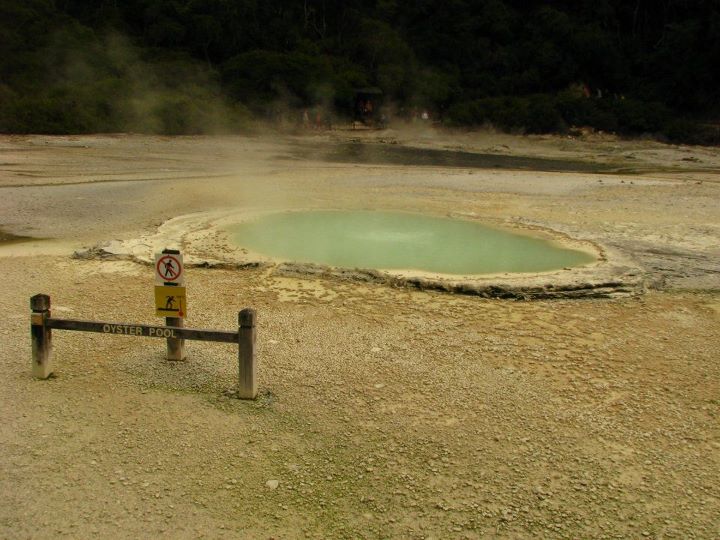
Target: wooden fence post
{"type": "Point", "coordinates": [175, 346]}
{"type": "Point", "coordinates": [41, 336]}
{"type": "Point", "coordinates": [247, 388]}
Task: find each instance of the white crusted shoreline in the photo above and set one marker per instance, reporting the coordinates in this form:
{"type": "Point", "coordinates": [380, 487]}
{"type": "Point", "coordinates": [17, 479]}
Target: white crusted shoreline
{"type": "Point", "coordinates": [205, 243]}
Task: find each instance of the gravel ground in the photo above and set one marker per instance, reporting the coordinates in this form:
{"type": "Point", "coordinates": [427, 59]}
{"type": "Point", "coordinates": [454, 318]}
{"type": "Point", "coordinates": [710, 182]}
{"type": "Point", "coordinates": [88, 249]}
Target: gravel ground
{"type": "Point", "coordinates": [383, 412]}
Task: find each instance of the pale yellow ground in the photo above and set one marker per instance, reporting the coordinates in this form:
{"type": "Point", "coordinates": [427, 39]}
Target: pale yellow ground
{"type": "Point", "coordinates": [383, 412]}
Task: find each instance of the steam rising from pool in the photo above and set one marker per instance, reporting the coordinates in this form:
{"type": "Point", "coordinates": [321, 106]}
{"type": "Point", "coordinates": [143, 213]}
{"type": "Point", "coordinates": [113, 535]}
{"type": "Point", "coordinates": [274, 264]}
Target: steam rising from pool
{"type": "Point", "coordinates": [399, 241]}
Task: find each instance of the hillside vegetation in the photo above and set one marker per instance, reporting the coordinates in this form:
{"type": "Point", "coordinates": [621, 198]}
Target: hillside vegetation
{"type": "Point", "coordinates": [191, 66]}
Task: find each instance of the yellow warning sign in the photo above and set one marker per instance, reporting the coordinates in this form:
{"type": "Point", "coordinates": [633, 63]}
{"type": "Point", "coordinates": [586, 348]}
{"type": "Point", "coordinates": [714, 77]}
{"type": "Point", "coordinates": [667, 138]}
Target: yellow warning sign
{"type": "Point", "coordinates": [170, 302]}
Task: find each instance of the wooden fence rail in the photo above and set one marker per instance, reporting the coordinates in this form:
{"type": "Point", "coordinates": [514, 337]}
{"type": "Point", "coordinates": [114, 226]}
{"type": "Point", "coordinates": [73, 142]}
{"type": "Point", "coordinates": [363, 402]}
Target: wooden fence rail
{"type": "Point", "coordinates": [42, 324]}
{"type": "Point", "coordinates": [143, 330]}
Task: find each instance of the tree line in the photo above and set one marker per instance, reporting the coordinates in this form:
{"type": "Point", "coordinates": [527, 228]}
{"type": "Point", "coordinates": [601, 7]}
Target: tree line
{"type": "Point", "coordinates": [195, 66]}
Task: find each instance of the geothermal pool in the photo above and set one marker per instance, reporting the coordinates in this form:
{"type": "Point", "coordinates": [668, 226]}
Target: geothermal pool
{"type": "Point", "coordinates": [399, 241]}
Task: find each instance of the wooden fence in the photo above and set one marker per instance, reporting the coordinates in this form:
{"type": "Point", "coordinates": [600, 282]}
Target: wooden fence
{"type": "Point", "coordinates": [42, 324]}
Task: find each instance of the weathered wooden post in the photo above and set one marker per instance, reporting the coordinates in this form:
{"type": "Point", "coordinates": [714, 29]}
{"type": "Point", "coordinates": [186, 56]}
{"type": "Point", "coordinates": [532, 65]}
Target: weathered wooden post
{"type": "Point", "coordinates": [175, 346]}
{"type": "Point", "coordinates": [247, 333]}
{"type": "Point", "coordinates": [41, 336]}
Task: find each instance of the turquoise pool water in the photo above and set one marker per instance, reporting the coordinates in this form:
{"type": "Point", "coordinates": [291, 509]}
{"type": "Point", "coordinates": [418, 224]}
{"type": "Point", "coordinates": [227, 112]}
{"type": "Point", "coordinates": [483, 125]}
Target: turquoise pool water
{"type": "Point", "coordinates": [399, 241]}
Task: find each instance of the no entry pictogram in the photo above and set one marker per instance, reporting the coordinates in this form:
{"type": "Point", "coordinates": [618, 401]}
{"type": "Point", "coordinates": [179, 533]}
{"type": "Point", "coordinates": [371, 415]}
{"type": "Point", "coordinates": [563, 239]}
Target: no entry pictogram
{"type": "Point", "coordinates": [169, 269]}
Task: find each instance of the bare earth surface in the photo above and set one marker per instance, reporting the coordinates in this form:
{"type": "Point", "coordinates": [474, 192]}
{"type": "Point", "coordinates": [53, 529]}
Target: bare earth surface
{"type": "Point", "coordinates": [384, 412]}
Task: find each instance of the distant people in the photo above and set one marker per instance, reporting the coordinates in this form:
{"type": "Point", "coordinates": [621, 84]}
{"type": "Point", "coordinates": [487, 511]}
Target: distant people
{"type": "Point", "coordinates": [305, 119]}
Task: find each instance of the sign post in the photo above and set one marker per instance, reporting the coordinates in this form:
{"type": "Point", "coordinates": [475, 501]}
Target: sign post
{"type": "Point", "coordinates": [41, 336]}
{"type": "Point", "coordinates": [170, 299]}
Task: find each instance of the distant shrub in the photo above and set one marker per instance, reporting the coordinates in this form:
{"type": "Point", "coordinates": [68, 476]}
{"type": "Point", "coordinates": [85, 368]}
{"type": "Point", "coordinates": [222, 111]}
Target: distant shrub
{"type": "Point", "coordinates": [183, 114]}
{"type": "Point", "coordinates": [47, 114]}
{"type": "Point", "coordinates": [543, 116]}
{"type": "Point", "coordinates": [166, 112]}
{"type": "Point", "coordinates": [581, 111]}
{"type": "Point", "coordinates": [261, 76]}
{"type": "Point", "coordinates": [533, 114]}
{"type": "Point", "coordinates": [640, 117]}
{"type": "Point", "coordinates": [553, 114]}
{"type": "Point", "coordinates": [688, 132]}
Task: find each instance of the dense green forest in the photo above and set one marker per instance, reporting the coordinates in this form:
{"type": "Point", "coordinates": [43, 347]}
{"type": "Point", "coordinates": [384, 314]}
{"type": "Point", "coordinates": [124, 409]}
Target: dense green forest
{"type": "Point", "coordinates": [197, 66]}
